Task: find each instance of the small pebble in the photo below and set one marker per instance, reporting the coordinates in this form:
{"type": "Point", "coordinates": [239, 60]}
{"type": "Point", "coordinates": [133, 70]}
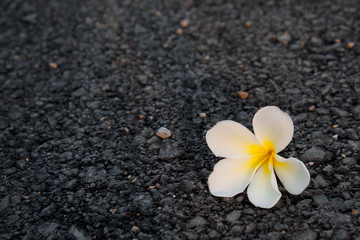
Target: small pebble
{"type": "Point", "coordinates": [335, 126]}
{"type": "Point", "coordinates": [248, 24]}
{"type": "Point", "coordinates": [354, 212]}
{"type": "Point", "coordinates": [53, 65]}
{"type": "Point", "coordinates": [243, 95]}
{"type": "Point", "coordinates": [124, 61]}
{"type": "Point", "coordinates": [39, 103]}
{"type": "Point", "coordinates": [350, 45]}
{"type": "Point", "coordinates": [311, 108]}
{"type": "Point", "coordinates": [142, 78]}
{"type": "Point", "coordinates": [135, 229]}
{"type": "Point", "coordinates": [202, 115]}
{"type": "Point", "coordinates": [337, 40]}
{"type": "Point", "coordinates": [284, 37]}
{"type": "Point", "coordinates": [113, 210]}
{"type": "Point", "coordinates": [179, 31]}
{"type": "Point", "coordinates": [163, 133]}
{"type": "Point", "coordinates": [141, 116]}
{"type": "Point", "coordinates": [184, 23]}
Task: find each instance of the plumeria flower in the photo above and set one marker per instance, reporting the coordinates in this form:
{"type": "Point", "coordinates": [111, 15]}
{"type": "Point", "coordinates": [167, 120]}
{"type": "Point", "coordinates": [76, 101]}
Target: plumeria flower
{"type": "Point", "coordinates": [251, 159]}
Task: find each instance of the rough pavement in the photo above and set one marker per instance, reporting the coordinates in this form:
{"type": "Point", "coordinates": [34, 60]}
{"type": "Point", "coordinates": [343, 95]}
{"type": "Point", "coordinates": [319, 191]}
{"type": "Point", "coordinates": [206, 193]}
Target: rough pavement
{"type": "Point", "coordinates": [85, 85]}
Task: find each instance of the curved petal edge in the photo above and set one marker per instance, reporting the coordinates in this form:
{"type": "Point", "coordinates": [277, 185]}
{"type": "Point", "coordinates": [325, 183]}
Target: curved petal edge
{"type": "Point", "coordinates": [230, 177]}
{"type": "Point", "coordinates": [273, 125]}
{"type": "Point", "coordinates": [230, 139]}
{"type": "Point", "coordinates": [263, 190]}
{"type": "Point", "coordinates": [293, 174]}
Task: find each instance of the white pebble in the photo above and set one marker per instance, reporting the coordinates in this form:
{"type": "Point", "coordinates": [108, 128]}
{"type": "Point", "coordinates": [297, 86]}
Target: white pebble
{"type": "Point", "coordinates": [163, 132]}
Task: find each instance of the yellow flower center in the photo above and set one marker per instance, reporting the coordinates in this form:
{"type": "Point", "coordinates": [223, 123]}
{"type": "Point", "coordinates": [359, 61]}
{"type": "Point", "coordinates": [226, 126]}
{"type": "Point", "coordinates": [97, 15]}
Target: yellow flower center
{"type": "Point", "coordinates": [262, 154]}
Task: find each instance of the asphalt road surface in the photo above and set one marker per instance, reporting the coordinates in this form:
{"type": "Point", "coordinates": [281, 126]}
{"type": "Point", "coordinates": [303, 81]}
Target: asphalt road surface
{"type": "Point", "coordinates": [85, 85]}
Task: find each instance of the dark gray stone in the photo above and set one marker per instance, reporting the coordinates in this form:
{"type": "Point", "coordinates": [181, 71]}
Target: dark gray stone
{"type": "Point", "coordinates": [340, 219]}
{"type": "Point", "coordinates": [300, 118]}
{"type": "Point", "coordinates": [355, 145]}
{"type": "Point", "coordinates": [320, 199]}
{"type": "Point", "coordinates": [78, 234]}
{"type": "Point", "coordinates": [196, 222]}
{"type": "Point", "coordinates": [13, 219]}
{"type": "Point", "coordinates": [144, 203]}
{"type": "Point", "coordinates": [340, 112]}
{"type": "Point", "coordinates": [71, 184]}
{"type": "Point", "coordinates": [4, 203]}
{"type": "Point", "coordinates": [304, 204]}
{"type": "Point", "coordinates": [143, 79]}
{"type": "Point", "coordinates": [314, 154]}
{"type": "Point", "coordinates": [188, 185]}
{"type": "Point", "coordinates": [70, 129]}
{"type": "Point", "coordinates": [47, 211]}
{"type": "Point", "coordinates": [8, 163]}
{"type": "Point", "coordinates": [321, 181]}
{"type": "Point", "coordinates": [21, 164]}
{"type": "Point", "coordinates": [47, 228]}
{"type": "Point", "coordinates": [170, 150]}
{"type": "Point", "coordinates": [349, 161]}
{"type": "Point", "coordinates": [3, 123]}
{"type": "Point", "coordinates": [42, 174]}
{"type": "Point", "coordinates": [340, 234]}
{"type": "Point", "coordinates": [233, 216]}
{"type": "Point", "coordinates": [305, 235]}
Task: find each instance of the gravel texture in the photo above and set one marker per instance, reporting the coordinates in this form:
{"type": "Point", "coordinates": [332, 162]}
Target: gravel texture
{"type": "Point", "coordinates": [85, 85]}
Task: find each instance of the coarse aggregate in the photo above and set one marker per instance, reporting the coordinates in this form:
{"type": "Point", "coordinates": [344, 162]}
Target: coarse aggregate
{"type": "Point", "coordinates": [85, 85]}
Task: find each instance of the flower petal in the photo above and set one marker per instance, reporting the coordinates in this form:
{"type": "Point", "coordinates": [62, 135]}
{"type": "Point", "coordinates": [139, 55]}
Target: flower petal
{"type": "Point", "coordinates": [292, 173]}
{"type": "Point", "coordinates": [231, 177]}
{"type": "Point", "coordinates": [263, 190]}
{"type": "Point", "coordinates": [230, 139]}
{"type": "Point", "coordinates": [273, 125]}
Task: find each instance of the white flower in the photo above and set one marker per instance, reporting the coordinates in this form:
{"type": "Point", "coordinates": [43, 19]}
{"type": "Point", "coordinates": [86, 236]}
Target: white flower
{"type": "Point", "coordinates": [251, 159]}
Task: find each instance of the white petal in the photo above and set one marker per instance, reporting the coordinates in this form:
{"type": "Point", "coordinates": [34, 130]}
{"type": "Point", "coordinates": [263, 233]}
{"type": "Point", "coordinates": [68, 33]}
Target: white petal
{"type": "Point", "coordinates": [230, 177]}
{"type": "Point", "coordinates": [263, 190]}
{"type": "Point", "coordinates": [293, 174]}
{"type": "Point", "coordinates": [230, 139]}
{"type": "Point", "coordinates": [273, 125]}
